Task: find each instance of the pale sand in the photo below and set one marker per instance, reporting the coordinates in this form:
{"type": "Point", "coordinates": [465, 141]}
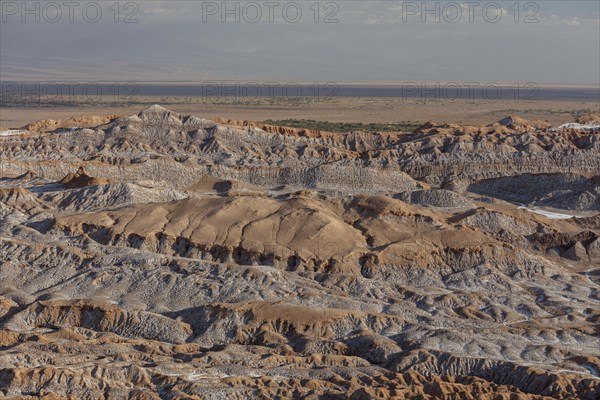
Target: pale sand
{"type": "Point", "coordinates": [337, 110]}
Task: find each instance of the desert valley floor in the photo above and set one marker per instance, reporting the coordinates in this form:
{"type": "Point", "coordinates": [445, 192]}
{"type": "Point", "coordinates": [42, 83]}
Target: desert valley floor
{"type": "Point", "coordinates": [167, 256]}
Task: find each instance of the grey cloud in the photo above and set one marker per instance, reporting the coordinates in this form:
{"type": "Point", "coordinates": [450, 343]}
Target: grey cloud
{"type": "Point", "coordinates": [369, 43]}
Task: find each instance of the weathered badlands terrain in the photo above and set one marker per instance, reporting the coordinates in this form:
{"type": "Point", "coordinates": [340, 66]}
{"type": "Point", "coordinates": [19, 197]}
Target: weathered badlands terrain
{"type": "Point", "coordinates": [168, 256]}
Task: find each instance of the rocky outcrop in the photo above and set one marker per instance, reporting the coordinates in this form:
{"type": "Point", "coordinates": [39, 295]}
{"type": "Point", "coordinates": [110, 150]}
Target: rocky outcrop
{"type": "Point", "coordinates": [167, 256]}
{"type": "Point", "coordinates": [443, 155]}
{"type": "Point", "coordinates": [21, 199]}
{"type": "Point", "coordinates": [50, 125]}
{"type": "Point", "coordinates": [436, 198]}
{"type": "Point", "coordinates": [560, 191]}
{"type": "Point", "coordinates": [81, 179]}
{"type": "Point", "coordinates": [99, 317]}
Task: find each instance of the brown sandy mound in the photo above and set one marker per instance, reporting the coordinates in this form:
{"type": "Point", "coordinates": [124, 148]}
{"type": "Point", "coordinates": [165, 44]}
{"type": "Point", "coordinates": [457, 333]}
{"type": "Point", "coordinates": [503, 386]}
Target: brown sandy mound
{"type": "Point", "coordinates": [232, 228]}
{"type": "Point", "coordinates": [81, 179]}
{"type": "Point", "coordinates": [587, 119]}
{"type": "Point", "coordinates": [50, 125]}
{"type": "Point", "coordinates": [23, 200]}
{"type": "Point", "coordinates": [363, 235]}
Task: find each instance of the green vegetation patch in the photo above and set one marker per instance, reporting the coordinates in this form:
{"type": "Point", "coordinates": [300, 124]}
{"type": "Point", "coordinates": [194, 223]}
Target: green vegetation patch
{"type": "Point", "coordinates": [313, 125]}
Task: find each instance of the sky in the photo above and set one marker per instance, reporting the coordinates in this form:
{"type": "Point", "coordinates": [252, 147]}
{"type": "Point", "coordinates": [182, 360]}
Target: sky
{"type": "Point", "coordinates": [303, 41]}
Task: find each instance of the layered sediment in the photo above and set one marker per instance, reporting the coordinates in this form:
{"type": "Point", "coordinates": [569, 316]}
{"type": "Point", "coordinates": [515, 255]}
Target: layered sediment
{"type": "Point", "coordinates": [168, 256]}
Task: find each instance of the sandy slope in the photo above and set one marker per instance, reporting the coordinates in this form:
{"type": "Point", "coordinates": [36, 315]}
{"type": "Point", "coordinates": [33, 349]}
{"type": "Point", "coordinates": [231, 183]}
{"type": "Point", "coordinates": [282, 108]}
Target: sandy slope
{"type": "Point", "coordinates": [161, 255]}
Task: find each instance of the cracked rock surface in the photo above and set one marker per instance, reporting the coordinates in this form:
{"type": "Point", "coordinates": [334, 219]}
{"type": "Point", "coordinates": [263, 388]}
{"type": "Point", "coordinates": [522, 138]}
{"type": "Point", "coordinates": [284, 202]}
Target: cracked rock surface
{"type": "Point", "coordinates": [162, 256]}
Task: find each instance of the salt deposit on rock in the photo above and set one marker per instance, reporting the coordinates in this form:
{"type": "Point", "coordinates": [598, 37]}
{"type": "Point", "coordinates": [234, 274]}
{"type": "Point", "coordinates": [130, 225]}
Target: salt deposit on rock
{"type": "Point", "coordinates": [159, 255]}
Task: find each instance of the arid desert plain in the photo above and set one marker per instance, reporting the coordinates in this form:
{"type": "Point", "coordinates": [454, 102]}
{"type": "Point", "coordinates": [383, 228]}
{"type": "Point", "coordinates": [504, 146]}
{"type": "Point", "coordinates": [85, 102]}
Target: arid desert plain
{"type": "Point", "coordinates": [204, 251]}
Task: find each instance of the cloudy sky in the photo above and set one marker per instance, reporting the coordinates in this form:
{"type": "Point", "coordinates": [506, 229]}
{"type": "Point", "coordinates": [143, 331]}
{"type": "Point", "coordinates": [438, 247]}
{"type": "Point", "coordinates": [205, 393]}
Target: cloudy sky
{"type": "Point", "coordinates": [343, 41]}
